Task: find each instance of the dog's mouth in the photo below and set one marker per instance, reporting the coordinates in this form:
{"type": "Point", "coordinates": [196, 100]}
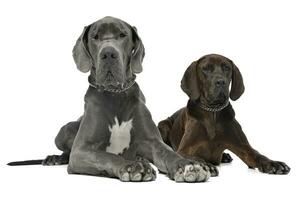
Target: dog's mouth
{"type": "Point", "coordinates": [219, 100]}
{"type": "Point", "coordinates": [109, 78]}
{"type": "Point", "coordinates": [111, 82]}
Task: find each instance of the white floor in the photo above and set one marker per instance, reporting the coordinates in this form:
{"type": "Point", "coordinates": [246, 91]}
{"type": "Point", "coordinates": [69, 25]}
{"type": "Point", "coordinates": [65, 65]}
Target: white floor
{"type": "Point", "coordinates": [235, 181]}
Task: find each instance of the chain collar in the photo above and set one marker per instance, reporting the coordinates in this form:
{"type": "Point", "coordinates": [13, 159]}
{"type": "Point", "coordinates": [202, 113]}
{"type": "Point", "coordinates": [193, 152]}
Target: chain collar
{"type": "Point", "coordinates": [101, 88]}
{"type": "Point", "coordinates": [214, 109]}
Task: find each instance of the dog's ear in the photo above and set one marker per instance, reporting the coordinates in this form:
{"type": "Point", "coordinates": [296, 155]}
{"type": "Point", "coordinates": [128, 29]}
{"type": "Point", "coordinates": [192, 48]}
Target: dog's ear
{"type": "Point", "coordinates": [137, 53]}
{"type": "Point", "coordinates": [81, 53]}
{"type": "Point", "coordinates": [237, 84]}
{"type": "Point", "coordinates": [190, 83]}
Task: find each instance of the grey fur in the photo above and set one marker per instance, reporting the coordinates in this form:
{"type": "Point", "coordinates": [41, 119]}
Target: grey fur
{"type": "Point", "coordinates": [113, 57]}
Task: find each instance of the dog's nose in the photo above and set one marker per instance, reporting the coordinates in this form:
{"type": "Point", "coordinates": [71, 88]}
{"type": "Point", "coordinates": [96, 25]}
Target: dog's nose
{"type": "Point", "coordinates": [220, 82]}
{"type": "Point", "coordinates": [109, 53]}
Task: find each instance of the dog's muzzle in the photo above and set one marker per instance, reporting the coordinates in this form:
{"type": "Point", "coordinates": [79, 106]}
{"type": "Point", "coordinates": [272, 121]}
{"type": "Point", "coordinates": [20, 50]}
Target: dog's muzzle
{"type": "Point", "coordinates": [110, 67]}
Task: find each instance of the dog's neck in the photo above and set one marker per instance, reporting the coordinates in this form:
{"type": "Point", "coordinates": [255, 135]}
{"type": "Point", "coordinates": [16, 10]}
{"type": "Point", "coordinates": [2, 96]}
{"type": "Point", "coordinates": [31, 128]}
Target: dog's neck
{"type": "Point", "coordinates": [213, 109]}
{"type": "Point", "coordinates": [199, 111]}
{"type": "Point", "coordinates": [124, 87]}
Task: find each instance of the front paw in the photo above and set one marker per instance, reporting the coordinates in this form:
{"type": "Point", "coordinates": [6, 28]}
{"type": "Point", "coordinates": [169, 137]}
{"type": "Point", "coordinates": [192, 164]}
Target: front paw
{"type": "Point", "coordinates": [212, 169]}
{"type": "Point", "coordinates": [226, 158]}
{"type": "Point", "coordinates": [137, 171]}
{"type": "Point", "coordinates": [56, 160]}
{"type": "Point", "coordinates": [190, 171]}
{"type": "Point", "coordinates": [273, 167]}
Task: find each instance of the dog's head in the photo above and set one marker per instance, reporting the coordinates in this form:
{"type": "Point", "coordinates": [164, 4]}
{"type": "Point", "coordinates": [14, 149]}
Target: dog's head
{"type": "Point", "coordinates": [112, 50]}
{"type": "Point", "coordinates": [208, 80]}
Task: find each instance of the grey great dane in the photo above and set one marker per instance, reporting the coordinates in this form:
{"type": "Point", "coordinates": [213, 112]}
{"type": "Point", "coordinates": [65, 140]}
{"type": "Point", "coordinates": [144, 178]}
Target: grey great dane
{"type": "Point", "coordinates": [116, 136]}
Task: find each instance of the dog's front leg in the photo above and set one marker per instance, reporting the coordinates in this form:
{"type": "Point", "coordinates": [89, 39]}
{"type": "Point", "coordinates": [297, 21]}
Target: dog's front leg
{"type": "Point", "coordinates": [239, 145]}
{"type": "Point", "coordinates": [100, 163]}
{"type": "Point", "coordinates": [177, 167]}
{"type": "Point", "coordinates": [163, 157]}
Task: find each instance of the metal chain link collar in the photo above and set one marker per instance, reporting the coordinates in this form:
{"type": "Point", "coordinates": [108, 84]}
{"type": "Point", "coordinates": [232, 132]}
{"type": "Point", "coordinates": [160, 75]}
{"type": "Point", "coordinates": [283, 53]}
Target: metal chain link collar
{"type": "Point", "coordinates": [214, 109]}
{"type": "Point", "coordinates": [99, 88]}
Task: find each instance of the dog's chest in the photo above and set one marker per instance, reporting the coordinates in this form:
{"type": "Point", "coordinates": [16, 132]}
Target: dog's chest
{"type": "Point", "coordinates": [210, 126]}
{"type": "Point", "coordinates": [120, 136]}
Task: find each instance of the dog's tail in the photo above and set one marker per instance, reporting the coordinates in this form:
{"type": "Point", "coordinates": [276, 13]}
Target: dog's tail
{"type": "Point", "coordinates": [26, 162]}
{"type": "Point", "coordinates": [165, 126]}
{"type": "Point", "coordinates": [49, 160]}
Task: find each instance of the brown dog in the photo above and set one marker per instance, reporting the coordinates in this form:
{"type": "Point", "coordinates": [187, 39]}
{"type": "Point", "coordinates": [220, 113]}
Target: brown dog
{"type": "Point", "coordinates": [207, 126]}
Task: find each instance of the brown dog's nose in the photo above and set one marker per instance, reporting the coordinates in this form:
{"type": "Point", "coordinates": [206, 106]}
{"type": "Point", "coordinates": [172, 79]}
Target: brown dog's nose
{"type": "Point", "coordinates": [220, 82]}
{"type": "Point", "coordinates": [108, 53]}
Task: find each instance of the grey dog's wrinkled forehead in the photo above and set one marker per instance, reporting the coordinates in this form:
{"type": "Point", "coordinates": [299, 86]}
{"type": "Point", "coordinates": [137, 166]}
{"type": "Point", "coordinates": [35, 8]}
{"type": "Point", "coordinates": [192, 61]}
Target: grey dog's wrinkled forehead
{"type": "Point", "coordinates": [109, 24]}
{"type": "Point", "coordinates": [108, 30]}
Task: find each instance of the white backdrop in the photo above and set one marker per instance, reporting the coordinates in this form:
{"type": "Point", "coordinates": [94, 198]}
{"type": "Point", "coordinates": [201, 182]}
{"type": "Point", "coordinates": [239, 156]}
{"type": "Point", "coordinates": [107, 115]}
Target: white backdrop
{"type": "Point", "coordinates": [41, 89]}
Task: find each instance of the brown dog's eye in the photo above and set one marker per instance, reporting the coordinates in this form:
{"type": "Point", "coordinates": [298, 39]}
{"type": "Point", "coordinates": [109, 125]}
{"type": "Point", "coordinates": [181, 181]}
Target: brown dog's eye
{"type": "Point", "coordinates": [226, 68]}
{"type": "Point", "coordinates": [122, 35]}
{"type": "Point", "coordinates": [207, 68]}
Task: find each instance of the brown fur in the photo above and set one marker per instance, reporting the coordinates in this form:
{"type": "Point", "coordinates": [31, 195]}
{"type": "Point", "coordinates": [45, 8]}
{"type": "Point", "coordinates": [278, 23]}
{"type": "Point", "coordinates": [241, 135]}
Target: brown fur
{"type": "Point", "coordinates": [195, 132]}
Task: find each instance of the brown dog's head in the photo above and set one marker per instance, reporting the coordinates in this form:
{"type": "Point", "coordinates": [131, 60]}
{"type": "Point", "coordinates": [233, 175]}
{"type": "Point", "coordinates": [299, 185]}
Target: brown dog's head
{"type": "Point", "coordinates": [208, 79]}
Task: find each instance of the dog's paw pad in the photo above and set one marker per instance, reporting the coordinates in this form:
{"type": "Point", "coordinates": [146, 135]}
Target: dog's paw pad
{"type": "Point", "coordinates": [137, 171]}
{"type": "Point", "coordinates": [274, 167]}
{"type": "Point", "coordinates": [191, 173]}
{"type": "Point", "coordinates": [179, 177]}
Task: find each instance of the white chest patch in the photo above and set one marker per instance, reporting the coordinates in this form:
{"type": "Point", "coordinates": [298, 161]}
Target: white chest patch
{"type": "Point", "coordinates": [120, 136]}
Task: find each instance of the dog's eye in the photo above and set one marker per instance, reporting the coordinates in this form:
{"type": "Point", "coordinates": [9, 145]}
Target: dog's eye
{"type": "Point", "coordinates": [226, 68]}
{"type": "Point", "coordinates": [122, 35]}
{"type": "Point", "coordinates": [207, 68]}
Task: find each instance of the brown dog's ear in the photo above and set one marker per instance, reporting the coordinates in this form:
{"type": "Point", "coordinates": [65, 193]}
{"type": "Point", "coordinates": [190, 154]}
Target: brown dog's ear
{"type": "Point", "coordinates": [237, 84]}
{"type": "Point", "coordinates": [189, 82]}
{"type": "Point", "coordinates": [81, 54]}
{"type": "Point", "coordinates": [137, 54]}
